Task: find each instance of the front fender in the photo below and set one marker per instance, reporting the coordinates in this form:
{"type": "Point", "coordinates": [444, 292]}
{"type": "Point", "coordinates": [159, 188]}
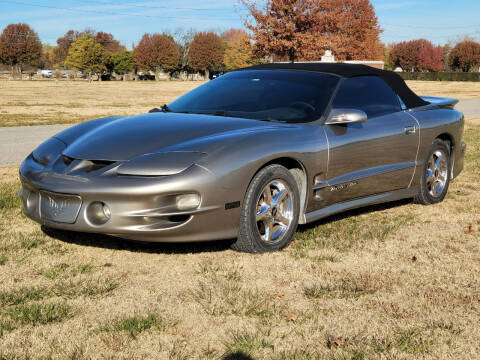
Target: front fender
{"type": "Point", "coordinates": [237, 164]}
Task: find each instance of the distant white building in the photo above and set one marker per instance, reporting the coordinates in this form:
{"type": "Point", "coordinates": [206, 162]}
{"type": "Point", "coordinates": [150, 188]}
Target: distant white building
{"type": "Point", "coordinates": [373, 63]}
{"type": "Point", "coordinates": [329, 58]}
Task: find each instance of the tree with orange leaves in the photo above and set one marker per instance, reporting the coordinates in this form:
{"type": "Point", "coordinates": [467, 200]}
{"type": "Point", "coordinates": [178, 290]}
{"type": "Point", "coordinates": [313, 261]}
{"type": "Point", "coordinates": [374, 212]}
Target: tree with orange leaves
{"type": "Point", "coordinates": [157, 52]}
{"type": "Point", "coordinates": [206, 52]}
{"type": "Point", "coordinates": [239, 50]}
{"type": "Point", "coordinates": [465, 56]}
{"type": "Point", "coordinates": [304, 29]}
{"type": "Point", "coordinates": [430, 57]}
{"type": "Point", "coordinates": [350, 29]}
{"type": "Point", "coordinates": [417, 55]}
{"type": "Point", "coordinates": [108, 42]}
{"type": "Point", "coordinates": [19, 46]}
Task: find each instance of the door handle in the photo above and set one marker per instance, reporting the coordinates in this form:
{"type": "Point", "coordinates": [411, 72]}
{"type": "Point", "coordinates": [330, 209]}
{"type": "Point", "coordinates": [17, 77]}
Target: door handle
{"type": "Point", "coordinates": [410, 130]}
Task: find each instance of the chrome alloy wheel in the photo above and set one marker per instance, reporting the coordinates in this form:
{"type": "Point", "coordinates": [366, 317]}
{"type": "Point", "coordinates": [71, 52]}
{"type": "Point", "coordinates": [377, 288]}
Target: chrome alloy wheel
{"type": "Point", "coordinates": [274, 211]}
{"type": "Point", "coordinates": [437, 173]}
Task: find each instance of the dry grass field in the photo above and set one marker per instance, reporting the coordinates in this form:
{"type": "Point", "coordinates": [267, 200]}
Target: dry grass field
{"type": "Point", "coordinates": [399, 281]}
{"type": "Point", "coordinates": [455, 89]}
{"type": "Point", "coordinates": [49, 102]}
{"type": "Point", "coordinates": [396, 281]}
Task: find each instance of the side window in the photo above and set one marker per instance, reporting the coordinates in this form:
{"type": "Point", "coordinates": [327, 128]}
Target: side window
{"type": "Point", "coordinates": [368, 93]}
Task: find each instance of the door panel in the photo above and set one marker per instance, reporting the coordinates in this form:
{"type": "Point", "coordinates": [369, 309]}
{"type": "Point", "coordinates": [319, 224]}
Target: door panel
{"type": "Point", "coordinates": [370, 158]}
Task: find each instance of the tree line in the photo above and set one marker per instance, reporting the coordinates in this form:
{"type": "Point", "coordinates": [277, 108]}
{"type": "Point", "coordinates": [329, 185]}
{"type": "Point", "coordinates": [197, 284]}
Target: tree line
{"type": "Point", "coordinates": [421, 56]}
{"type": "Point", "coordinates": [279, 30]}
{"type": "Point", "coordinates": [93, 52]}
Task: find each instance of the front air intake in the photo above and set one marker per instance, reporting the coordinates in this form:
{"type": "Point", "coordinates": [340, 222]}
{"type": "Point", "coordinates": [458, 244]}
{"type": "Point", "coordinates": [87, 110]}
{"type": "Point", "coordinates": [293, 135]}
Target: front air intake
{"type": "Point", "coordinates": [68, 165]}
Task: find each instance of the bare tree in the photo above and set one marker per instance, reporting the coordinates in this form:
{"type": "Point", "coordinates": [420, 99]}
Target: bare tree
{"type": "Point", "coordinates": [183, 38]}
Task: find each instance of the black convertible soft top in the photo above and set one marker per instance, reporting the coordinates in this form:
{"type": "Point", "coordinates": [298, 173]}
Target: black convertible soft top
{"type": "Point", "coordinates": [394, 80]}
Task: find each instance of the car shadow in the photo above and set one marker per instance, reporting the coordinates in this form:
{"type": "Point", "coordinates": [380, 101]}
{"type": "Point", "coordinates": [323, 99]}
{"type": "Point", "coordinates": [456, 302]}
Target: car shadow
{"type": "Point", "coordinates": [116, 243]}
{"type": "Point", "coordinates": [354, 212]}
{"type": "Point", "coordinates": [239, 355]}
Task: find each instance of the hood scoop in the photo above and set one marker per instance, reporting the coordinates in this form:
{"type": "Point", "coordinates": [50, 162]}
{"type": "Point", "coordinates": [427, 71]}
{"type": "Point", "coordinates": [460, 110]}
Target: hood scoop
{"type": "Point", "coordinates": [71, 166]}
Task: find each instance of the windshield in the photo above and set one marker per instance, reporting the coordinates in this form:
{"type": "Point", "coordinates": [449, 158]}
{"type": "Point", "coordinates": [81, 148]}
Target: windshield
{"type": "Point", "coordinates": [285, 96]}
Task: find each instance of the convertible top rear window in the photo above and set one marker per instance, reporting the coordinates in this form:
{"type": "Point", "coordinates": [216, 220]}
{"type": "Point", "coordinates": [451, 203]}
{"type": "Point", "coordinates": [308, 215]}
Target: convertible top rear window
{"type": "Point", "coordinates": [285, 96]}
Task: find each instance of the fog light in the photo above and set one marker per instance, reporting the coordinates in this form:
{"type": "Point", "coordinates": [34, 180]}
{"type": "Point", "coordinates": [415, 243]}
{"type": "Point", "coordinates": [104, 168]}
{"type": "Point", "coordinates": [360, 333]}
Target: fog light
{"type": "Point", "coordinates": [31, 202]}
{"type": "Point", "coordinates": [187, 201]}
{"type": "Point", "coordinates": [98, 213]}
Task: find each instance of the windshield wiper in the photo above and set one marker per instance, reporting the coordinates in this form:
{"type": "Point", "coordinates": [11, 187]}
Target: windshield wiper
{"type": "Point", "coordinates": [221, 113]}
{"type": "Point", "coordinates": [226, 114]}
{"type": "Point", "coordinates": [215, 113]}
{"type": "Point", "coordinates": [271, 120]}
{"type": "Point", "coordinates": [165, 108]}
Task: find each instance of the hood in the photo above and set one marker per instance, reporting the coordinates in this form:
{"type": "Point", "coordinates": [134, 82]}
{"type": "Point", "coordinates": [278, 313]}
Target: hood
{"type": "Point", "coordinates": [124, 138]}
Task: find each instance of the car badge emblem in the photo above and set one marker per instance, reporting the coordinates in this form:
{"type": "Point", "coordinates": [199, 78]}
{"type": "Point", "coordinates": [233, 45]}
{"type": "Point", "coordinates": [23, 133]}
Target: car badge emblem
{"type": "Point", "coordinates": [343, 186]}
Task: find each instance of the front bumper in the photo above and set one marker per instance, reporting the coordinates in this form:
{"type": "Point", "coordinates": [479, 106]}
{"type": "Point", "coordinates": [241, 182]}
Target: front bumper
{"type": "Point", "coordinates": [140, 206]}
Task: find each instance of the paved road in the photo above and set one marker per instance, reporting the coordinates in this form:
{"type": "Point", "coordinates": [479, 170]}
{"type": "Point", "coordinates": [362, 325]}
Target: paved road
{"type": "Point", "coordinates": [470, 107]}
{"type": "Point", "coordinates": [17, 142]}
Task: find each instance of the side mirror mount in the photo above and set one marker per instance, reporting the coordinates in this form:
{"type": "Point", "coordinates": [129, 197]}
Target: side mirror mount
{"type": "Point", "coordinates": [346, 116]}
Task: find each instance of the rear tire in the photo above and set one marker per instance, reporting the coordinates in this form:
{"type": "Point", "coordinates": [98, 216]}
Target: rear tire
{"type": "Point", "coordinates": [436, 174]}
{"type": "Point", "coordinates": [270, 211]}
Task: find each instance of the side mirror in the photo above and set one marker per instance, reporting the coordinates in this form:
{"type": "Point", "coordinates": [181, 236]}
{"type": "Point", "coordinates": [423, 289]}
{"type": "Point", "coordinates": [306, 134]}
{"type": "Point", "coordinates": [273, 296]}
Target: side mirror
{"type": "Point", "coordinates": [346, 116]}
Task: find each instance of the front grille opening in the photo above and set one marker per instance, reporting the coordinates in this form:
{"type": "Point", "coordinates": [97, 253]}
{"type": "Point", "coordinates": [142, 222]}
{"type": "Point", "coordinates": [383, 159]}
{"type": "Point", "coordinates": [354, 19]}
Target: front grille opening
{"type": "Point", "coordinates": [178, 218]}
{"type": "Point", "coordinates": [165, 222]}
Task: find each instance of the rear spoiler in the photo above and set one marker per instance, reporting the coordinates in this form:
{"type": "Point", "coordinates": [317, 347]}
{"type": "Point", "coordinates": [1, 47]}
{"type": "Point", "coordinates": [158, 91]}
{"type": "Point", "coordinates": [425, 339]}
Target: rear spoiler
{"type": "Point", "coordinates": [437, 103]}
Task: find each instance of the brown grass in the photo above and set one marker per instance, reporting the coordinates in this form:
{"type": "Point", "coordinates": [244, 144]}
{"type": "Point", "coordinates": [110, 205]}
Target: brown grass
{"type": "Point", "coordinates": [48, 102]}
{"type": "Point", "coordinates": [396, 281]}
{"type": "Point", "coordinates": [455, 89]}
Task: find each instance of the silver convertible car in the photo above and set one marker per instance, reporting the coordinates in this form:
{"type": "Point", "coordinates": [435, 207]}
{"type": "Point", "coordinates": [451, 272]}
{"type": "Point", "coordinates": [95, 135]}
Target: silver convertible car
{"type": "Point", "coordinates": [248, 156]}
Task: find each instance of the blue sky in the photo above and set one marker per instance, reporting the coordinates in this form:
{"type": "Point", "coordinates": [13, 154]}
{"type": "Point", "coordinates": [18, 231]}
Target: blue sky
{"type": "Point", "coordinates": [436, 20]}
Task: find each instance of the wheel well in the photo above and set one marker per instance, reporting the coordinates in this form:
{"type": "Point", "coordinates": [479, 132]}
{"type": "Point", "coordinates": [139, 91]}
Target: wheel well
{"type": "Point", "coordinates": [450, 143]}
{"type": "Point", "coordinates": [447, 138]}
{"type": "Point", "coordinates": [299, 173]}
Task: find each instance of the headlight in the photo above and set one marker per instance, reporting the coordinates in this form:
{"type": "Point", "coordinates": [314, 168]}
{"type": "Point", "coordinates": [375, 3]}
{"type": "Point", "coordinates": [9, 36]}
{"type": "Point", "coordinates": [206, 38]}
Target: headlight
{"type": "Point", "coordinates": [48, 151]}
{"type": "Point", "coordinates": [168, 163]}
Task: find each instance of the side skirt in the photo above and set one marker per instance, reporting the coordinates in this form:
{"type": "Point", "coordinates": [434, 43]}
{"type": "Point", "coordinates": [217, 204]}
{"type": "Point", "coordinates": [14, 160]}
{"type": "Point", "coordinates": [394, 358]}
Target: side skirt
{"type": "Point", "coordinates": [356, 203]}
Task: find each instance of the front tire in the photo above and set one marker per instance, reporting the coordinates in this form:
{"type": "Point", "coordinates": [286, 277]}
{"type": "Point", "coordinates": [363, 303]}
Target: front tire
{"type": "Point", "coordinates": [270, 211]}
{"type": "Point", "coordinates": [436, 174]}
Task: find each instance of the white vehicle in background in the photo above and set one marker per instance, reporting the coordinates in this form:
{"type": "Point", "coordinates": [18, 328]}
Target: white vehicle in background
{"type": "Point", "coordinates": [45, 73]}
